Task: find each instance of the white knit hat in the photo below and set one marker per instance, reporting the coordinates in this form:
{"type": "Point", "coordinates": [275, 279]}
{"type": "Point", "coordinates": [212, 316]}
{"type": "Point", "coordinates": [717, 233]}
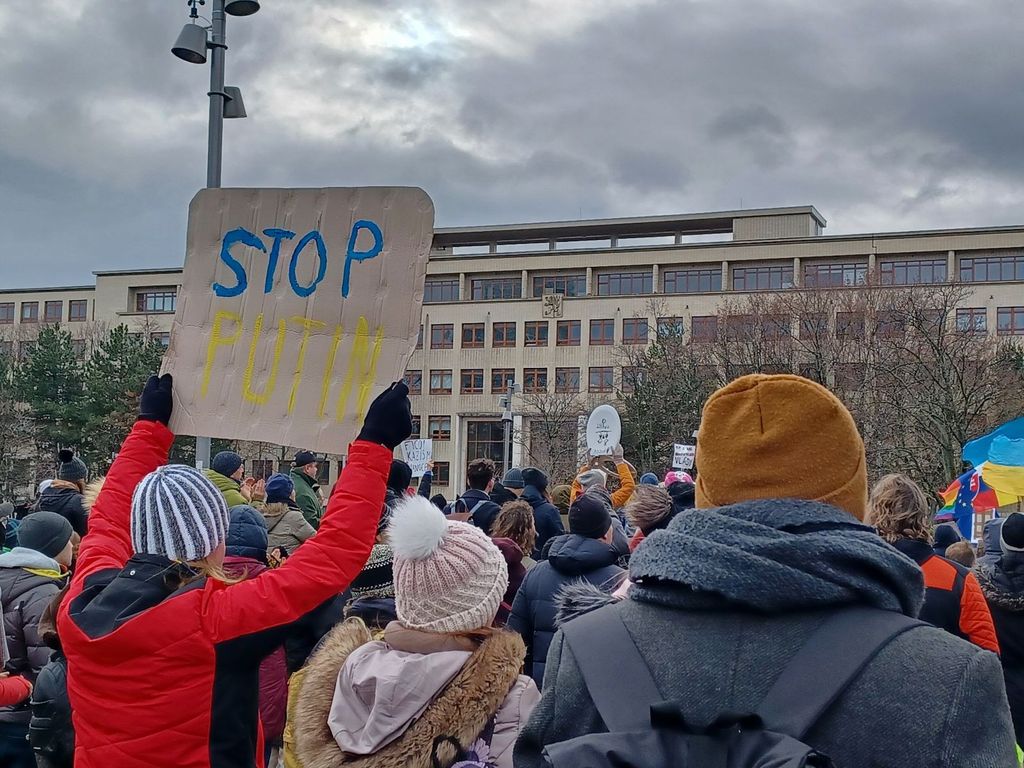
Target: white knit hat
{"type": "Point", "coordinates": [449, 576]}
{"type": "Point", "coordinates": [178, 513]}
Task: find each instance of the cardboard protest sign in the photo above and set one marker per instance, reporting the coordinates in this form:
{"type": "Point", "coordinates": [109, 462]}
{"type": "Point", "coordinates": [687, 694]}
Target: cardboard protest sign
{"type": "Point", "coordinates": [683, 456]}
{"type": "Point", "coordinates": [417, 453]}
{"type": "Point", "coordinates": [297, 307]}
{"type": "Point", "coordinates": [604, 430]}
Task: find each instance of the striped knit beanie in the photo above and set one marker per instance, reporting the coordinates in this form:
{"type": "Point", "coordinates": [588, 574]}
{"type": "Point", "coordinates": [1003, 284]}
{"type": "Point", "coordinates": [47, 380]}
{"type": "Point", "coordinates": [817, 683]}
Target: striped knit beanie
{"type": "Point", "coordinates": [376, 579]}
{"type": "Point", "coordinates": [449, 576]}
{"type": "Point", "coordinates": [178, 513]}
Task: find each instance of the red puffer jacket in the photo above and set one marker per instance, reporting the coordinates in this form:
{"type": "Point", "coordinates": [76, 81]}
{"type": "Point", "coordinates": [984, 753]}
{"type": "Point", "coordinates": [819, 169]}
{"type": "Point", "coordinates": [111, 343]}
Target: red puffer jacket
{"type": "Point", "coordinates": [166, 676]}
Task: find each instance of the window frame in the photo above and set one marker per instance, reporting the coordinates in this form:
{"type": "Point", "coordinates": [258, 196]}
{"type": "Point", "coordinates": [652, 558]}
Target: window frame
{"type": "Point", "coordinates": [1015, 321]}
{"type": "Point", "coordinates": [447, 338]}
{"type": "Point", "coordinates": [33, 315]}
{"type": "Point", "coordinates": [635, 323]}
{"type": "Point", "coordinates": [447, 287]}
{"type": "Point", "coordinates": [569, 325]}
{"type": "Point", "coordinates": [607, 282]}
{"type": "Point", "coordinates": [604, 340]}
{"type": "Point", "coordinates": [487, 284]}
{"type": "Point", "coordinates": [769, 271]}
{"type": "Point", "coordinates": [163, 296]}
{"type": "Point", "coordinates": [889, 269]}
{"type": "Point", "coordinates": [508, 376]}
{"type": "Point", "coordinates": [440, 434]}
{"type": "Point", "coordinates": [601, 370]}
{"type": "Point", "coordinates": [413, 379]}
{"type": "Point", "coordinates": [990, 260]}
{"type": "Point", "coordinates": [8, 312]}
{"type": "Point", "coordinates": [579, 280]}
{"type": "Point", "coordinates": [560, 374]}
{"type": "Point", "coordinates": [505, 326]}
{"type": "Point", "coordinates": [74, 304]}
{"type": "Point", "coordinates": [441, 389]}
{"type": "Point", "coordinates": [474, 328]}
{"type": "Point", "coordinates": [971, 315]}
{"type": "Point", "coordinates": [535, 381]}
{"type": "Point", "coordinates": [55, 316]}
{"type": "Point", "coordinates": [541, 329]}
{"type": "Point", "coordinates": [711, 276]}
{"type": "Point", "coordinates": [704, 328]}
{"type": "Point", "coordinates": [856, 271]}
{"type": "Point", "coordinates": [472, 389]}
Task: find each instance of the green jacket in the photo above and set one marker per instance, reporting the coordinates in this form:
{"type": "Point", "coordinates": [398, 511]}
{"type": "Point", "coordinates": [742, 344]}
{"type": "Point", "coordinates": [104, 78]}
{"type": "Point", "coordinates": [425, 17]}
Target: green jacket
{"type": "Point", "coordinates": [307, 498]}
{"type": "Point", "coordinates": [227, 487]}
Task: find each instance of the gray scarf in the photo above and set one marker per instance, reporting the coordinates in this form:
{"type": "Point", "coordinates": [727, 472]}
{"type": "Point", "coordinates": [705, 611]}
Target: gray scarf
{"type": "Point", "coordinates": [777, 555]}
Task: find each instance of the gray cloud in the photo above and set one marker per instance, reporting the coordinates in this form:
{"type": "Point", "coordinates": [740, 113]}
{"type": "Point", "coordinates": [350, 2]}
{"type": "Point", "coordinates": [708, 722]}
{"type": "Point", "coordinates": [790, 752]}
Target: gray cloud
{"type": "Point", "coordinates": [882, 115]}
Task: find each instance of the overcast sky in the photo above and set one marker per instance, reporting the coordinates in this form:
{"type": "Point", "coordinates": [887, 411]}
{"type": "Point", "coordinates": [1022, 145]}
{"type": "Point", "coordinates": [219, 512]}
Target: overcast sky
{"type": "Point", "coordinates": [885, 114]}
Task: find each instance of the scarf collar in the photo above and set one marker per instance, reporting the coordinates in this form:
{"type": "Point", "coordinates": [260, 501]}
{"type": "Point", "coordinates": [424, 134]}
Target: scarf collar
{"type": "Point", "coordinates": [773, 555]}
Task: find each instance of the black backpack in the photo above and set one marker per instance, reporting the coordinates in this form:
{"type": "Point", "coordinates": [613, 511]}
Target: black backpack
{"type": "Point", "coordinates": [647, 732]}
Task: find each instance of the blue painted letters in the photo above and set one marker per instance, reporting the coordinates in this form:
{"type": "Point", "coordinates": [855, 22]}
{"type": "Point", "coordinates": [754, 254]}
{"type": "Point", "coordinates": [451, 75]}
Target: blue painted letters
{"type": "Point", "coordinates": [353, 255]}
{"type": "Point", "coordinates": [245, 237]}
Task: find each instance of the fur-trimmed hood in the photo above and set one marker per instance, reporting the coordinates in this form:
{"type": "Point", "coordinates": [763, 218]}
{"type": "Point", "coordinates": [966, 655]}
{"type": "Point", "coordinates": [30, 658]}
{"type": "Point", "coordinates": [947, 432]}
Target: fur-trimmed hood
{"type": "Point", "coordinates": [580, 598]}
{"type": "Point", "coordinates": [1003, 583]}
{"type": "Point", "coordinates": [488, 685]}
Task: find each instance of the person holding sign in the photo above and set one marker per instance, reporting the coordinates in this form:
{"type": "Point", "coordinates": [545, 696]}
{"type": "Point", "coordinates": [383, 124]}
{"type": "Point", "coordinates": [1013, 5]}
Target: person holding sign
{"type": "Point", "coordinates": [163, 649]}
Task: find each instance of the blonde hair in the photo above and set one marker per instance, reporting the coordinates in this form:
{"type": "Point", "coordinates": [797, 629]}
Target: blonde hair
{"type": "Point", "coordinates": [899, 510]}
{"type": "Point", "coordinates": [515, 521]}
{"type": "Point", "coordinates": [961, 552]}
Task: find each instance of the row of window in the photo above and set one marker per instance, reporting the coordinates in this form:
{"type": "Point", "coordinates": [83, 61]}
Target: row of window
{"type": "Point", "coordinates": [568, 333]}
{"type": "Point", "coordinates": [53, 311]}
{"type": "Point", "coordinates": [535, 380]}
{"type": "Point", "coordinates": [992, 267]}
{"type": "Point", "coordinates": [848, 325]}
{"type": "Point", "coordinates": [159, 300]}
{"type": "Point", "coordinates": [78, 346]}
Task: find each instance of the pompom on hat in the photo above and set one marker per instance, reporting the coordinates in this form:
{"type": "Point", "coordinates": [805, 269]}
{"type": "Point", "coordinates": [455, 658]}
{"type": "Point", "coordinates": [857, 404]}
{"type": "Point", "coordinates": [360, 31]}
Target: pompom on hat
{"type": "Point", "coordinates": [449, 576]}
{"type": "Point", "coordinates": [780, 437]}
{"type": "Point", "coordinates": [72, 468]}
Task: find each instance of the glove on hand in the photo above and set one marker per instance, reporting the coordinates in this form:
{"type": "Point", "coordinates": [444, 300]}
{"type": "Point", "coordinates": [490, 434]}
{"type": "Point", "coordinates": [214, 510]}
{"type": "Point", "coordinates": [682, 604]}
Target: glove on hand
{"type": "Point", "coordinates": [156, 402]}
{"type": "Point", "coordinates": [389, 420]}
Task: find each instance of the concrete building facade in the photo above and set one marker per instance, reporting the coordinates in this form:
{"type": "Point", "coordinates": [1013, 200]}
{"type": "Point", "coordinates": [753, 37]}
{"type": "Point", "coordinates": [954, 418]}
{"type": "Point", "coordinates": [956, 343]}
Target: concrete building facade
{"type": "Point", "coordinates": [550, 305]}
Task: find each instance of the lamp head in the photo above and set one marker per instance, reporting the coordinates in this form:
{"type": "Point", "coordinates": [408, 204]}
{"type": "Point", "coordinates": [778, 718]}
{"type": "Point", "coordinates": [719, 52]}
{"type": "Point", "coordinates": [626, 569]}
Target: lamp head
{"type": "Point", "coordinates": [241, 7]}
{"type": "Point", "coordinates": [191, 44]}
{"type": "Point", "coordinates": [233, 104]}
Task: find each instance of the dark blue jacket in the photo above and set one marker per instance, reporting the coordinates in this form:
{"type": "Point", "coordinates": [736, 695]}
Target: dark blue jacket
{"type": "Point", "coordinates": [247, 533]}
{"type": "Point", "coordinates": [486, 511]}
{"type": "Point", "coordinates": [546, 518]}
{"type": "Point", "coordinates": [572, 558]}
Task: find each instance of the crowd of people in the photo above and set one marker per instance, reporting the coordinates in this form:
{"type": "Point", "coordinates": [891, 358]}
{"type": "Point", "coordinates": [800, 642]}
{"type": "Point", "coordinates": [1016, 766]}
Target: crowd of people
{"type": "Point", "coordinates": [165, 616]}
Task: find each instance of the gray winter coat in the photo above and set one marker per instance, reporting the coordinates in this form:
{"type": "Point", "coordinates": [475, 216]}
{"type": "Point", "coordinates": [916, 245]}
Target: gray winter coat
{"type": "Point", "coordinates": [24, 596]}
{"type": "Point", "coordinates": [286, 526]}
{"type": "Point", "coordinates": [723, 598]}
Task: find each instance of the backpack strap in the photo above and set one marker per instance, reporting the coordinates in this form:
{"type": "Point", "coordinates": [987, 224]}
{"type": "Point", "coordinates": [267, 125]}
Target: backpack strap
{"type": "Point", "coordinates": [617, 677]}
{"type": "Point", "coordinates": [826, 665]}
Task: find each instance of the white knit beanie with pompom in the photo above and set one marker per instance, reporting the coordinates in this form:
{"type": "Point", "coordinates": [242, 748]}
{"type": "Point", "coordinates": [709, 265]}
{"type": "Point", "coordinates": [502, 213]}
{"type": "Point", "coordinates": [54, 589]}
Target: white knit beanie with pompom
{"type": "Point", "coordinates": [449, 577]}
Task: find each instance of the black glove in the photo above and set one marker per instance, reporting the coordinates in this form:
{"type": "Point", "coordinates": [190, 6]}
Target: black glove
{"type": "Point", "coordinates": [156, 403]}
{"type": "Point", "coordinates": [389, 420]}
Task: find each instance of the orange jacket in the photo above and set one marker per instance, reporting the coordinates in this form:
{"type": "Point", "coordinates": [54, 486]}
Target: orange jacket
{"type": "Point", "coordinates": [953, 598]}
{"type": "Point", "coordinates": [619, 497]}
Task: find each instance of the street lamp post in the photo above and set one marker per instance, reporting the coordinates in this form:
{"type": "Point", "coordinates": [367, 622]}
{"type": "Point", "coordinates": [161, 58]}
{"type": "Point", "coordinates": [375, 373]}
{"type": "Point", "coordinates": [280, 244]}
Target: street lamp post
{"type": "Point", "coordinates": [225, 102]}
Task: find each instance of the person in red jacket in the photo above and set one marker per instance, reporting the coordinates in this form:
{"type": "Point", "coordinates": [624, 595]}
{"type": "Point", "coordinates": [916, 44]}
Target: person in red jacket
{"type": "Point", "coordinates": [953, 598]}
{"type": "Point", "coordinates": [163, 650]}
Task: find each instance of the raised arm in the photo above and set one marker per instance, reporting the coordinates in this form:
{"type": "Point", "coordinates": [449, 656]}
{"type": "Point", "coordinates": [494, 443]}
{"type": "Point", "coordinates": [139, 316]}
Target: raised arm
{"type": "Point", "coordinates": [327, 563]}
{"type": "Point", "coordinates": [626, 482]}
{"type": "Point", "coordinates": [108, 543]}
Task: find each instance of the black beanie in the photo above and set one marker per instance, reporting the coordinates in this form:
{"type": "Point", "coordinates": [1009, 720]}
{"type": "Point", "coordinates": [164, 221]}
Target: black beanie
{"type": "Point", "coordinates": [71, 467]}
{"type": "Point", "coordinates": [1011, 534]}
{"type": "Point", "coordinates": [400, 476]}
{"type": "Point", "coordinates": [536, 478]}
{"type": "Point", "coordinates": [45, 532]}
{"type": "Point", "coordinates": [589, 516]}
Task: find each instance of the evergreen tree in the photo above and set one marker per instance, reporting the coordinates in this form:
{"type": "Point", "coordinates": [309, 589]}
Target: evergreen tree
{"type": "Point", "coordinates": [49, 383]}
{"type": "Point", "coordinates": [114, 376]}
{"type": "Point", "coordinates": [15, 472]}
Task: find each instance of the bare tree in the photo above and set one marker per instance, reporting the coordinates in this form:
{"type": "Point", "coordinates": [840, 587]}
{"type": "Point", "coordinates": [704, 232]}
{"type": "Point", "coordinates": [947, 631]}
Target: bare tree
{"type": "Point", "coordinates": [549, 440]}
